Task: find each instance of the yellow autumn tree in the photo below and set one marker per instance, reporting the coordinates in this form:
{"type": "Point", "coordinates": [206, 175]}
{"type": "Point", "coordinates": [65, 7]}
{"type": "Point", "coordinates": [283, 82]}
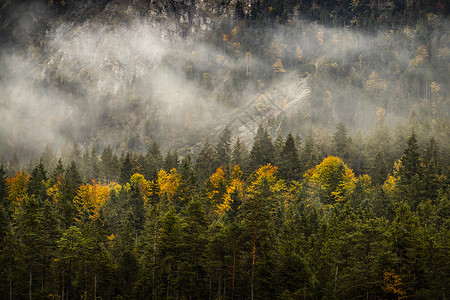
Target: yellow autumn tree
{"type": "Point", "coordinates": [299, 52]}
{"type": "Point", "coordinates": [420, 55]}
{"type": "Point", "coordinates": [144, 185]}
{"type": "Point", "coordinates": [393, 285]}
{"type": "Point", "coordinates": [278, 66]}
{"type": "Point", "coordinates": [221, 190]}
{"type": "Point", "coordinates": [216, 187]}
{"type": "Point", "coordinates": [167, 184]}
{"type": "Point", "coordinates": [89, 199]}
{"type": "Point", "coordinates": [375, 83]}
{"type": "Point", "coordinates": [16, 187]}
{"type": "Point", "coordinates": [330, 181]}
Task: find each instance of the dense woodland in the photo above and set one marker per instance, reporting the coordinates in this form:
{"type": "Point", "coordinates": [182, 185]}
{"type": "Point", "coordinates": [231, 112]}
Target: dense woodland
{"type": "Point", "coordinates": [346, 196]}
{"type": "Point", "coordinates": [286, 219]}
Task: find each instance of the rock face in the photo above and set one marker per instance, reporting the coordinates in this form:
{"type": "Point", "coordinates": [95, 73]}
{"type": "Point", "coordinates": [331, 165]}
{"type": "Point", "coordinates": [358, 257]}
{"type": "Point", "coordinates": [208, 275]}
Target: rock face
{"type": "Point", "coordinates": [107, 72]}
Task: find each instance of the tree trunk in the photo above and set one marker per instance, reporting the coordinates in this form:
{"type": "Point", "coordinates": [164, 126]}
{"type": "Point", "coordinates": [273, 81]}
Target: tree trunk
{"type": "Point", "coordinates": [253, 264]}
{"type": "Point", "coordinates": [335, 281]}
{"type": "Point", "coordinates": [30, 285]}
{"type": "Point", "coordinates": [10, 289]}
{"type": "Point", "coordinates": [234, 272]}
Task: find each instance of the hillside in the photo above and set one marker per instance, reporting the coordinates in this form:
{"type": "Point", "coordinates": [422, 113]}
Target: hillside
{"type": "Point", "coordinates": [127, 74]}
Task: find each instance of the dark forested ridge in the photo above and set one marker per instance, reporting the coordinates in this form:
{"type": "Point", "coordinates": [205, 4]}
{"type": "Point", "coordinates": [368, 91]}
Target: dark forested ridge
{"type": "Point", "coordinates": [248, 149]}
{"type": "Point", "coordinates": [287, 219]}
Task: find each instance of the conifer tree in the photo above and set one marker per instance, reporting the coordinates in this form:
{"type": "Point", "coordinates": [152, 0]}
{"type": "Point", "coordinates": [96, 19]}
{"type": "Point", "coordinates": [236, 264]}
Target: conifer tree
{"type": "Point", "coordinates": [3, 191]}
{"type": "Point", "coordinates": [432, 170]}
{"type": "Point", "coordinates": [379, 169]}
{"type": "Point", "coordinates": [205, 163]}
{"type": "Point", "coordinates": [223, 148]}
{"type": "Point", "coordinates": [289, 162]}
{"type": "Point", "coordinates": [410, 161]}
{"type": "Point", "coordinates": [263, 151]}
{"type": "Point", "coordinates": [14, 164]}
{"type": "Point", "coordinates": [153, 161]}
{"type": "Point", "coordinates": [127, 170]}
{"type": "Point", "coordinates": [37, 185]}
{"type": "Point", "coordinates": [171, 161]}
{"type": "Point", "coordinates": [239, 154]}
{"type": "Point", "coordinates": [411, 174]}
{"type": "Point", "coordinates": [342, 142]}
{"type": "Point", "coordinates": [70, 183]}
{"type": "Point", "coordinates": [109, 165]}
{"type": "Point", "coordinates": [58, 171]}
{"type": "Point", "coordinates": [308, 153]}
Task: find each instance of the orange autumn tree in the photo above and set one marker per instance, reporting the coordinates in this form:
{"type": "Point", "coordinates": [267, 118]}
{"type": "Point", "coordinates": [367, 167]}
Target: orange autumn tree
{"type": "Point", "coordinates": [89, 199]}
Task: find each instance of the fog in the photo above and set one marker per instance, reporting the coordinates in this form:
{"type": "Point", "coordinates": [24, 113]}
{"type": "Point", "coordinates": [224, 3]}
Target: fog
{"type": "Point", "coordinates": [101, 81]}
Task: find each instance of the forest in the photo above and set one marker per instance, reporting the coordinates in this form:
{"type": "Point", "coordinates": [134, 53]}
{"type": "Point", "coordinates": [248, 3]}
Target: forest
{"type": "Point", "coordinates": [246, 149]}
{"type": "Point", "coordinates": [285, 219]}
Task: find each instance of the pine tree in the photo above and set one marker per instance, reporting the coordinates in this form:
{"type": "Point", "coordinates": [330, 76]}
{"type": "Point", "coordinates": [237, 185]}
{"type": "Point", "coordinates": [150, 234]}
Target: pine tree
{"type": "Point", "coordinates": [263, 151]}
{"type": "Point", "coordinates": [223, 148]}
{"type": "Point", "coordinates": [48, 158]}
{"type": "Point", "coordinates": [410, 161]}
{"type": "Point", "coordinates": [37, 185]}
{"type": "Point", "coordinates": [379, 168]}
{"type": "Point", "coordinates": [171, 161]}
{"type": "Point", "coordinates": [257, 215]}
{"type": "Point", "coordinates": [342, 143]}
{"type": "Point", "coordinates": [109, 165]}
{"type": "Point", "coordinates": [411, 174]}
{"type": "Point", "coordinates": [432, 170]}
{"type": "Point", "coordinates": [153, 161]}
{"type": "Point", "coordinates": [127, 170]}
{"type": "Point", "coordinates": [14, 164]}
{"type": "Point", "coordinates": [205, 162]}
{"type": "Point", "coordinates": [3, 191]}
{"type": "Point", "coordinates": [308, 153]}
{"type": "Point", "coordinates": [289, 161]}
{"type": "Point", "coordinates": [239, 154]}
{"type": "Point", "coordinates": [70, 183]}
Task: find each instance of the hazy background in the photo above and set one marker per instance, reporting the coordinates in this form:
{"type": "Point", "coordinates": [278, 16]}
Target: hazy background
{"type": "Point", "coordinates": [127, 74]}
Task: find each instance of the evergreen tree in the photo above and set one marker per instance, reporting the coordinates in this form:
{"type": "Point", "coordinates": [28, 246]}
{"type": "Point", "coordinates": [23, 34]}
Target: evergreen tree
{"type": "Point", "coordinates": [108, 165]}
{"type": "Point", "coordinates": [289, 161]}
{"type": "Point", "coordinates": [432, 170]}
{"type": "Point", "coordinates": [69, 186]}
{"type": "Point", "coordinates": [263, 151]}
{"type": "Point", "coordinates": [48, 158]}
{"type": "Point", "coordinates": [3, 191]}
{"type": "Point", "coordinates": [223, 148]}
{"type": "Point", "coordinates": [14, 164]}
{"type": "Point", "coordinates": [239, 154]}
{"type": "Point", "coordinates": [127, 170]}
{"type": "Point", "coordinates": [308, 153]}
{"type": "Point", "coordinates": [58, 172]}
{"type": "Point", "coordinates": [411, 173]}
{"type": "Point", "coordinates": [342, 143]}
{"type": "Point", "coordinates": [257, 215]}
{"type": "Point", "coordinates": [410, 161]}
{"type": "Point", "coordinates": [379, 168]}
{"type": "Point", "coordinates": [171, 161]}
{"type": "Point", "coordinates": [205, 163]}
{"type": "Point", "coordinates": [278, 145]}
{"type": "Point", "coordinates": [37, 185]}
{"type": "Point", "coordinates": [153, 161]}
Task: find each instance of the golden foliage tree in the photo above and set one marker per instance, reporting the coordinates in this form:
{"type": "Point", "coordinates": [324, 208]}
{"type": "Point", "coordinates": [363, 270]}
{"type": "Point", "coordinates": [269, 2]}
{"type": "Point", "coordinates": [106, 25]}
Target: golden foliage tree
{"type": "Point", "coordinates": [331, 180]}
{"type": "Point", "coordinates": [17, 188]}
